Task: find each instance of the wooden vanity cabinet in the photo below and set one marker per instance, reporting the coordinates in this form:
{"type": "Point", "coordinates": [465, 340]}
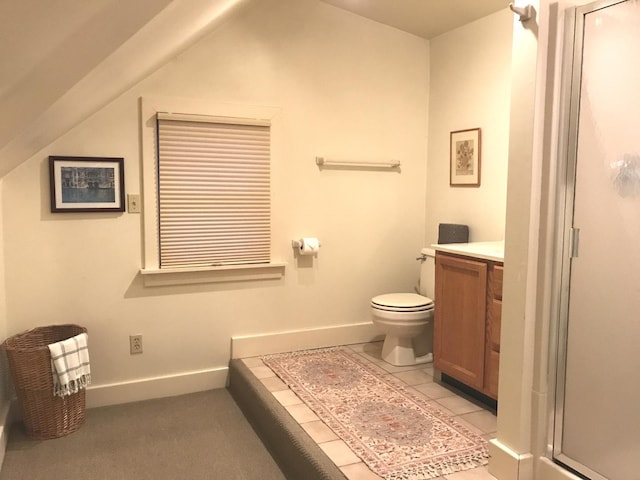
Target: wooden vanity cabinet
{"type": "Point", "coordinates": [468, 306]}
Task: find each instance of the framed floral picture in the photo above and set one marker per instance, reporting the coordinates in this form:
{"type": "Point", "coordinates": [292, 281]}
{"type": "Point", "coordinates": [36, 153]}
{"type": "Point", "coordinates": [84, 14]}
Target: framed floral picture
{"type": "Point", "coordinates": [86, 184]}
{"type": "Point", "coordinates": [465, 153]}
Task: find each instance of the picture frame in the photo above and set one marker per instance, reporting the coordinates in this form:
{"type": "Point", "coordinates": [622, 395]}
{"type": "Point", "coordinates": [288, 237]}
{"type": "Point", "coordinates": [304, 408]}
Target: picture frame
{"type": "Point", "coordinates": [465, 158]}
{"type": "Point", "coordinates": [86, 184]}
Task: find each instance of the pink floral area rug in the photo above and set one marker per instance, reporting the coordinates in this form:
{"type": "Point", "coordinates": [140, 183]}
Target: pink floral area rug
{"type": "Point", "coordinates": [397, 434]}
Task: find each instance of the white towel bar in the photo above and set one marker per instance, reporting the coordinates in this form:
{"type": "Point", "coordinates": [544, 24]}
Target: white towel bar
{"type": "Point", "coordinates": [323, 162]}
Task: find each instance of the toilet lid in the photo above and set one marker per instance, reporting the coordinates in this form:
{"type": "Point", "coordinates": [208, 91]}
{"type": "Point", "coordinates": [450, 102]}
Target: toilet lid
{"type": "Point", "coordinates": [402, 302]}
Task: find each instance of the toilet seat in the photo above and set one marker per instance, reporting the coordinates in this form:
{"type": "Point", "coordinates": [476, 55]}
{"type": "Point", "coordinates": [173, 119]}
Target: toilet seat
{"type": "Point", "coordinates": [402, 302]}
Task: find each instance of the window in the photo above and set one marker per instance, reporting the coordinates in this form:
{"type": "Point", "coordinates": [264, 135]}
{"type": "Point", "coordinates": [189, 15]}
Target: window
{"type": "Point", "coordinates": [207, 197]}
{"type": "Point", "coordinates": [213, 191]}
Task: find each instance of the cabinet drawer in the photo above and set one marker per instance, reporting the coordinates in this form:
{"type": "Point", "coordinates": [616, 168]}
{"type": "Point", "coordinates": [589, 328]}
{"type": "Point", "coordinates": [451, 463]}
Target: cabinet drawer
{"type": "Point", "coordinates": [495, 281]}
{"type": "Point", "coordinates": [493, 325]}
{"type": "Point", "coordinates": [491, 374]}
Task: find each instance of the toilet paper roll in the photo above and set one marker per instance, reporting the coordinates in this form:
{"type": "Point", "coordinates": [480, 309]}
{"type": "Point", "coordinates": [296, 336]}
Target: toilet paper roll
{"type": "Point", "coordinates": [309, 246]}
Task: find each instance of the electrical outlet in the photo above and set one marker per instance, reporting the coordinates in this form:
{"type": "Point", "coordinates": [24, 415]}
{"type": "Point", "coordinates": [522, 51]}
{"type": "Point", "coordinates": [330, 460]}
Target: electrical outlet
{"type": "Point", "coordinates": [135, 344]}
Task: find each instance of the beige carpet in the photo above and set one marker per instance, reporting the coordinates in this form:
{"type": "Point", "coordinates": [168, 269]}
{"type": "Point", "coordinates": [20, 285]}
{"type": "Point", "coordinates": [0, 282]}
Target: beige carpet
{"type": "Point", "coordinates": [398, 434]}
{"type": "Point", "coordinates": [197, 436]}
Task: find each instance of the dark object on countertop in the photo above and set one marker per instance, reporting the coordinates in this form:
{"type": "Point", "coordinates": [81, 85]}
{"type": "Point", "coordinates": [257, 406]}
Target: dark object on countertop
{"type": "Point", "coordinates": [453, 233]}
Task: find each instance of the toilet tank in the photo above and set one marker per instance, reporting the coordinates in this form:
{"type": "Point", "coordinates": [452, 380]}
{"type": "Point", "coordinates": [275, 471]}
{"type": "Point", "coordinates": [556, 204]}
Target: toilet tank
{"type": "Point", "coordinates": [426, 286]}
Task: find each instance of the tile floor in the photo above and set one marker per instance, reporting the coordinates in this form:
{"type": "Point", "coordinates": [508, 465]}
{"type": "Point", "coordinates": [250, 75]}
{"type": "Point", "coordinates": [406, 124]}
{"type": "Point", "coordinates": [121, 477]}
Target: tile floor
{"type": "Point", "coordinates": [419, 378]}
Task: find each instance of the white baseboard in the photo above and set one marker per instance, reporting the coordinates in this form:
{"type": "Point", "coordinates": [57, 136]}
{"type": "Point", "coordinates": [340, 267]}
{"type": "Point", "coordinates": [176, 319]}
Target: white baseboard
{"type": "Point", "coordinates": [505, 464]}
{"type": "Point", "coordinates": [5, 425]}
{"type": "Point", "coordinates": [156, 387]}
{"type": "Point", "coordinates": [266, 344]}
{"type": "Point", "coordinates": [546, 469]}
{"type": "Point", "coordinates": [208, 379]}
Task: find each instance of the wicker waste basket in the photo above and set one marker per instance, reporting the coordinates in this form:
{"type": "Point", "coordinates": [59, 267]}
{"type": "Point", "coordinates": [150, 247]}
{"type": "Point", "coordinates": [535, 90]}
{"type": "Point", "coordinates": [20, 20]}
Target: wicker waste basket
{"type": "Point", "coordinates": [45, 415]}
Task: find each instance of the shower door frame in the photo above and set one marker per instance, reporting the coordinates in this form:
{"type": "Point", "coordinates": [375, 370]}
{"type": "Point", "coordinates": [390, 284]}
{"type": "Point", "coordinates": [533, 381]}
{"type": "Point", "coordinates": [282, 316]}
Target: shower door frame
{"type": "Point", "coordinates": [567, 237]}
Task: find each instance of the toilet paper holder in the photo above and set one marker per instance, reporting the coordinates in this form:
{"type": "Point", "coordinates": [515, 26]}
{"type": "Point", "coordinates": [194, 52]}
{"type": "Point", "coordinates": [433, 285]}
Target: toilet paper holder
{"type": "Point", "coordinates": [306, 245]}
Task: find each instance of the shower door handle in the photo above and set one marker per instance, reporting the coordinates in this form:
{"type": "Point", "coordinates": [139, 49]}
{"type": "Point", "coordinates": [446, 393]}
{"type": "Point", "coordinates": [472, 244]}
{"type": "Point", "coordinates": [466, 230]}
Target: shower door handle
{"type": "Point", "coordinates": [574, 242]}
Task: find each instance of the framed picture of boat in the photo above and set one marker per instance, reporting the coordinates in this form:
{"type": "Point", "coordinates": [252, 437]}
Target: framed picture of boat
{"type": "Point", "coordinates": [86, 184]}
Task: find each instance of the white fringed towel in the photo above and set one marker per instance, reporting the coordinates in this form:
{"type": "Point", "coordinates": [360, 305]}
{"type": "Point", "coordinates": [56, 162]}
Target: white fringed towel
{"type": "Point", "coordinates": [70, 365]}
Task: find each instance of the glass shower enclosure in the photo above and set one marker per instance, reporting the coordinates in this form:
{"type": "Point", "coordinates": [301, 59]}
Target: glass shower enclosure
{"type": "Point", "coordinates": [596, 430]}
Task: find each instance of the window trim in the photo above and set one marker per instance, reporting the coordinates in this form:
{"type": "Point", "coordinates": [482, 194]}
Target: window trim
{"type": "Point", "coordinates": [151, 273]}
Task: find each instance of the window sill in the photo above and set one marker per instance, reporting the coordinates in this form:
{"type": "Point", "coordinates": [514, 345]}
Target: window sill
{"type": "Point", "coordinates": [234, 273]}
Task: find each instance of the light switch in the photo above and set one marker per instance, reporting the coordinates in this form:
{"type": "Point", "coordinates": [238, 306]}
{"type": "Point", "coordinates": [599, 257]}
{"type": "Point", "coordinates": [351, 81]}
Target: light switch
{"type": "Point", "coordinates": [133, 203]}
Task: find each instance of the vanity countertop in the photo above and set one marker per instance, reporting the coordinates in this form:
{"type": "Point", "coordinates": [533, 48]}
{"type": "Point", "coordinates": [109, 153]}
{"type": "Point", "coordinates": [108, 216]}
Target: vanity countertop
{"type": "Point", "coordinates": [493, 251]}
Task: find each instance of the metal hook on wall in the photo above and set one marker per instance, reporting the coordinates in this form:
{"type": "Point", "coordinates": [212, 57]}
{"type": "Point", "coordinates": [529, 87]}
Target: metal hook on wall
{"type": "Point", "coordinates": [525, 13]}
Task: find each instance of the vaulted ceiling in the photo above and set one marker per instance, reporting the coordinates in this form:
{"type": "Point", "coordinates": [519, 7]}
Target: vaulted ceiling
{"type": "Point", "coordinates": [55, 52]}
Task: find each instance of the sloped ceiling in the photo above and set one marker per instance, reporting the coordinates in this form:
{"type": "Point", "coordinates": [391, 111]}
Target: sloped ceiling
{"type": "Point", "coordinates": [58, 54]}
{"type": "Point", "coordinates": [63, 60]}
{"type": "Point", "coordinates": [47, 47]}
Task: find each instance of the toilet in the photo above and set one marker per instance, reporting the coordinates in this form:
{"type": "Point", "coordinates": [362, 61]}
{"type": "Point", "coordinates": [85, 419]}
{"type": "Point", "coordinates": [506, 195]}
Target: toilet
{"type": "Point", "coordinates": [405, 317]}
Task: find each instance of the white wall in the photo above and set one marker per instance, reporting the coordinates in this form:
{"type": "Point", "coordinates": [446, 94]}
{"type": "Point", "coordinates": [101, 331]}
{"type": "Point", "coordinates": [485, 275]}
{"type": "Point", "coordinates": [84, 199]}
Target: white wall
{"type": "Point", "coordinates": [347, 87]}
{"type": "Point", "coordinates": [526, 380]}
{"type": "Point", "coordinates": [4, 371]}
{"type": "Point", "coordinates": [3, 297]}
{"type": "Point", "coordinates": [469, 88]}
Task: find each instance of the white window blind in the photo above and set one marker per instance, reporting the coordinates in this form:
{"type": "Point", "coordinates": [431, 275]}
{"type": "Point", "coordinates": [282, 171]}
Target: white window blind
{"type": "Point", "coordinates": [213, 191]}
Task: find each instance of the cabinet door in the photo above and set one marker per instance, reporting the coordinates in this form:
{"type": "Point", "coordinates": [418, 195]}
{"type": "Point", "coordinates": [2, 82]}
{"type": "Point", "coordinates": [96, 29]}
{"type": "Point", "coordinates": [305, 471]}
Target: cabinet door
{"type": "Point", "coordinates": [460, 314]}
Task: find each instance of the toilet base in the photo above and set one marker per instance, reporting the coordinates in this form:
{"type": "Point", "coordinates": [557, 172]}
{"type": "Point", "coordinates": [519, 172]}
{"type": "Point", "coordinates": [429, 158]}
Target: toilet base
{"type": "Point", "coordinates": [399, 352]}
